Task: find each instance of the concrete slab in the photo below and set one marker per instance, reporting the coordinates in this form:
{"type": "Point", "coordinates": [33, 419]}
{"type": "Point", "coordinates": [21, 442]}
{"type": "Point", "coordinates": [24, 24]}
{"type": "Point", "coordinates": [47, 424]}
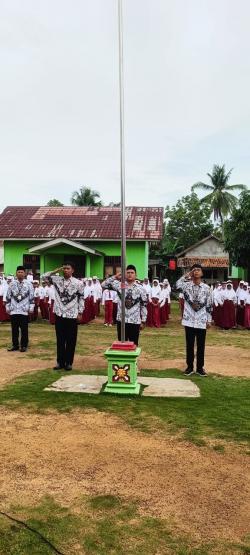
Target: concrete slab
{"type": "Point", "coordinates": [155, 387]}
{"type": "Point", "coordinates": [75, 383]}
{"type": "Point", "coordinates": [169, 387]}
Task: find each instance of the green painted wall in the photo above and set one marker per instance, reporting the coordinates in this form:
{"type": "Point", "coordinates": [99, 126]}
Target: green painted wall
{"type": "Point", "coordinates": [238, 273]}
{"type": "Point", "coordinates": [137, 253]}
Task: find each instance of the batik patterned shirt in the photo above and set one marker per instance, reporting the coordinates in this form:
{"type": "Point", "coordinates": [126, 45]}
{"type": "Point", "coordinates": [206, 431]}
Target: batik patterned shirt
{"type": "Point", "coordinates": [198, 303]}
{"type": "Point", "coordinates": [135, 301]}
{"type": "Point", "coordinates": [20, 298]}
{"type": "Point", "coordinates": [69, 296]}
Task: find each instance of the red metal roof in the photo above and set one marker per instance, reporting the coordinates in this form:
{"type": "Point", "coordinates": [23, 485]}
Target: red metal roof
{"type": "Point", "coordinates": [80, 222]}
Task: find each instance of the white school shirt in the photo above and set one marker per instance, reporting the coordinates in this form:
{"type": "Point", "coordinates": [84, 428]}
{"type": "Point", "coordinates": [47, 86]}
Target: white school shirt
{"type": "Point", "coordinates": [247, 298]}
{"type": "Point", "coordinates": [241, 295]}
{"type": "Point", "coordinates": [162, 298]}
{"type": "Point", "coordinates": [230, 295]}
{"type": "Point", "coordinates": [217, 299]}
{"type": "Point", "coordinates": [148, 289]}
{"type": "Point", "coordinates": [41, 292]}
{"type": "Point", "coordinates": [109, 295]}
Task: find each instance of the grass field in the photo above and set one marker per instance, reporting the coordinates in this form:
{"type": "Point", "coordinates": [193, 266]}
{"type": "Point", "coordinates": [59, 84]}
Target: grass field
{"type": "Point", "coordinates": [114, 516]}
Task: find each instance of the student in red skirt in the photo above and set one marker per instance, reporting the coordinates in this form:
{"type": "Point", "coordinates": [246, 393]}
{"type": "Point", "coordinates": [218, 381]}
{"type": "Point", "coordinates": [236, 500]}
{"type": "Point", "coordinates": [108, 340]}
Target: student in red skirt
{"type": "Point", "coordinates": [108, 297]}
{"type": "Point", "coordinates": [241, 295]}
{"type": "Point", "coordinates": [162, 303]}
{"type": "Point", "coordinates": [155, 303]}
{"type": "Point", "coordinates": [229, 307]}
{"type": "Point", "coordinates": [148, 289]}
{"type": "Point", "coordinates": [247, 310]}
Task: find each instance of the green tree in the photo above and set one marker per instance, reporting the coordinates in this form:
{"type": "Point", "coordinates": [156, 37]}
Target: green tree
{"type": "Point", "coordinates": [54, 202]}
{"type": "Point", "coordinates": [219, 198]}
{"type": "Point", "coordinates": [237, 233]}
{"type": "Point", "coordinates": [86, 197]}
{"type": "Point", "coordinates": [186, 223]}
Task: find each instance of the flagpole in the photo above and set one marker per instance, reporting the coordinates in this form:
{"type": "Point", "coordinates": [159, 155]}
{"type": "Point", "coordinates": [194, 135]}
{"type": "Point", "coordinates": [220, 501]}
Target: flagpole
{"type": "Point", "coordinates": [122, 169]}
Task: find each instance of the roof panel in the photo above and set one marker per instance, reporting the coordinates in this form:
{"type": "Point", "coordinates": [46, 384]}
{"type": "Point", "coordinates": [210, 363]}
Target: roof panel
{"type": "Point", "coordinates": [80, 222]}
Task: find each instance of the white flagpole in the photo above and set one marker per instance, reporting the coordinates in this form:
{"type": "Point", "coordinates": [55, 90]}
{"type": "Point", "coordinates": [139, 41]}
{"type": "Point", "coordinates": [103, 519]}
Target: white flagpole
{"type": "Point", "coordinates": [122, 170]}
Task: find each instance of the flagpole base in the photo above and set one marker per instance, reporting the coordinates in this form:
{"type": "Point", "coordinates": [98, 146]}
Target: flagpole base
{"type": "Point", "coordinates": [122, 369]}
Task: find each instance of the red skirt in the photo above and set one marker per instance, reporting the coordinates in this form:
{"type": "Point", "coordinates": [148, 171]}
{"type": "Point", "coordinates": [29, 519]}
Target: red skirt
{"type": "Point", "coordinates": [167, 309]}
{"type": "Point", "coordinates": [156, 315]}
{"type": "Point", "coordinates": [3, 314]}
{"type": "Point", "coordinates": [149, 321]}
{"type": "Point", "coordinates": [228, 315]}
{"type": "Point", "coordinates": [240, 314]}
{"type": "Point", "coordinates": [108, 310]}
{"type": "Point", "coordinates": [163, 315]}
{"type": "Point", "coordinates": [85, 314]}
{"type": "Point", "coordinates": [247, 317]}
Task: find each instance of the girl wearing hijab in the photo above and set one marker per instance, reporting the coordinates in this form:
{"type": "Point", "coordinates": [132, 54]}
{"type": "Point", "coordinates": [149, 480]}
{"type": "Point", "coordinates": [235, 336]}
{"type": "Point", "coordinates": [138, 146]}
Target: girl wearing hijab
{"type": "Point", "coordinates": [155, 300]}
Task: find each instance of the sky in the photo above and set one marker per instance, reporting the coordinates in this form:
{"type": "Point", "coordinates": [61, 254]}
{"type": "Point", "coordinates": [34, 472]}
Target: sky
{"type": "Point", "coordinates": [187, 97]}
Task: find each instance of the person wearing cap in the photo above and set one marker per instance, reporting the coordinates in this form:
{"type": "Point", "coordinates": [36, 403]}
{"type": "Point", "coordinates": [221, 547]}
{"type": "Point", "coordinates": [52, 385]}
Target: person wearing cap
{"type": "Point", "coordinates": [19, 304]}
{"type": "Point", "coordinates": [196, 316]}
{"type": "Point", "coordinates": [135, 304]}
{"type": "Point", "coordinates": [68, 308]}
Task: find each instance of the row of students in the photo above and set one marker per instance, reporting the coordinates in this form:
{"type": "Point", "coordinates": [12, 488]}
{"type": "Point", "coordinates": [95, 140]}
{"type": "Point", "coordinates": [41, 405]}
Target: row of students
{"type": "Point", "coordinates": [231, 308]}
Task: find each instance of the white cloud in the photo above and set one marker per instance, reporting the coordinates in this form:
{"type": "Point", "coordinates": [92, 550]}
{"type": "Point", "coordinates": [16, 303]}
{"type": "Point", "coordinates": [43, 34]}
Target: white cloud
{"type": "Point", "coordinates": [186, 97]}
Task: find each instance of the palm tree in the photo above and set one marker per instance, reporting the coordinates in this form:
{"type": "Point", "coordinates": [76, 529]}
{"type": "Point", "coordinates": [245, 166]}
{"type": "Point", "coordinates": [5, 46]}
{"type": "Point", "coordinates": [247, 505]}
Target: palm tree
{"type": "Point", "coordinates": [220, 197]}
{"type": "Point", "coordinates": [85, 197]}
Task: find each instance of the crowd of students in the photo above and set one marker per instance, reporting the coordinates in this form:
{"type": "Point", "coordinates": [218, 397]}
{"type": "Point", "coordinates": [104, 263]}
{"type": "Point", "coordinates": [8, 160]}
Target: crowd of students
{"type": "Point", "coordinates": [231, 308]}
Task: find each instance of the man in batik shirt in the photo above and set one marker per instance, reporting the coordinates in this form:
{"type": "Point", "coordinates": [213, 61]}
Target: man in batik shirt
{"type": "Point", "coordinates": [19, 304]}
{"type": "Point", "coordinates": [197, 316]}
{"type": "Point", "coordinates": [135, 304]}
{"type": "Point", "coordinates": [68, 309]}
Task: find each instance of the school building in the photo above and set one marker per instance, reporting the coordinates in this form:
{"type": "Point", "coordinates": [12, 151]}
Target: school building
{"type": "Point", "coordinates": [42, 238]}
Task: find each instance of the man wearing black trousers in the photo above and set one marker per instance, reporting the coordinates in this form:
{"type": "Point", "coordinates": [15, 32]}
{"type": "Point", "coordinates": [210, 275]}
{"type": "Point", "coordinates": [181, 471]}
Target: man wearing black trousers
{"type": "Point", "coordinates": [68, 308]}
{"type": "Point", "coordinates": [196, 316]}
{"type": "Point", "coordinates": [19, 304]}
{"type": "Point", "coordinates": [135, 304]}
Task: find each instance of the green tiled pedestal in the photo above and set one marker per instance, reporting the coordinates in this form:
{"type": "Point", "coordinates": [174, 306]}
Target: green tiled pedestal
{"type": "Point", "coordinates": [122, 372]}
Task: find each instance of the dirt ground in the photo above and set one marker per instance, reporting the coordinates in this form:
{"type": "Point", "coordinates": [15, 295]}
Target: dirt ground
{"type": "Point", "coordinates": [227, 361]}
{"type": "Point", "coordinates": [199, 490]}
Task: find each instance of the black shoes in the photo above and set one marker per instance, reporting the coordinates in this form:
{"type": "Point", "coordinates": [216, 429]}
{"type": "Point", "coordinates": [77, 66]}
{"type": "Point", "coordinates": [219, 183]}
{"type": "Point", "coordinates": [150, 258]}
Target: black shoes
{"type": "Point", "coordinates": [23, 349]}
{"type": "Point", "coordinates": [68, 367]}
{"type": "Point", "coordinates": [11, 349]}
{"type": "Point", "coordinates": [188, 371]}
{"type": "Point", "coordinates": [201, 372]}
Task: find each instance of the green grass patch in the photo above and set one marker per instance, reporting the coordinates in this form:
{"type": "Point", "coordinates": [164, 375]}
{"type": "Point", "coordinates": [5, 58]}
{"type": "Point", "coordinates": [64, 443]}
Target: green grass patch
{"type": "Point", "coordinates": [100, 525]}
{"type": "Point", "coordinates": [221, 412]}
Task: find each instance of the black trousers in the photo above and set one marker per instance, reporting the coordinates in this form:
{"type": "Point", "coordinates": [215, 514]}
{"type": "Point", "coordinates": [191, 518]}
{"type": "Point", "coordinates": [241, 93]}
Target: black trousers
{"type": "Point", "coordinates": [200, 336]}
{"type": "Point", "coordinates": [66, 336]}
{"type": "Point", "coordinates": [132, 332]}
{"type": "Point", "coordinates": [19, 322]}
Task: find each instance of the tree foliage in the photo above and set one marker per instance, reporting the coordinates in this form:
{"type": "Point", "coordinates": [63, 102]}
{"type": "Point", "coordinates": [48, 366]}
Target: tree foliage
{"type": "Point", "coordinates": [54, 202]}
{"type": "Point", "coordinates": [219, 197]}
{"type": "Point", "coordinates": [237, 233]}
{"type": "Point", "coordinates": [86, 197]}
{"type": "Point", "coordinates": [186, 223]}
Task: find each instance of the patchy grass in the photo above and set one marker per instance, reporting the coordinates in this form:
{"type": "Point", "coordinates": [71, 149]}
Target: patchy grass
{"type": "Point", "coordinates": [221, 412]}
{"type": "Point", "coordinates": [100, 525]}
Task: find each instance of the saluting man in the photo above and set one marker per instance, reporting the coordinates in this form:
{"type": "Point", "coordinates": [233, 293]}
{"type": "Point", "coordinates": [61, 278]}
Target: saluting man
{"type": "Point", "coordinates": [19, 304]}
{"type": "Point", "coordinates": [197, 316]}
{"type": "Point", "coordinates": [68, 309]}
{"type": "Point", "coordinates": [135, 304]}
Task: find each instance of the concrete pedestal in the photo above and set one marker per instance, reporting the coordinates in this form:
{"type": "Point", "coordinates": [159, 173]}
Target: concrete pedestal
{"type": "Point", "coordinates": [122, 372]}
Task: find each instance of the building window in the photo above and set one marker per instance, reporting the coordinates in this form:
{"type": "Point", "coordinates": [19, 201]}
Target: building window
{"type": "Point", "coordinates": [112, 265]}
{"type": "Point", "coordinates": [32, 262]}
